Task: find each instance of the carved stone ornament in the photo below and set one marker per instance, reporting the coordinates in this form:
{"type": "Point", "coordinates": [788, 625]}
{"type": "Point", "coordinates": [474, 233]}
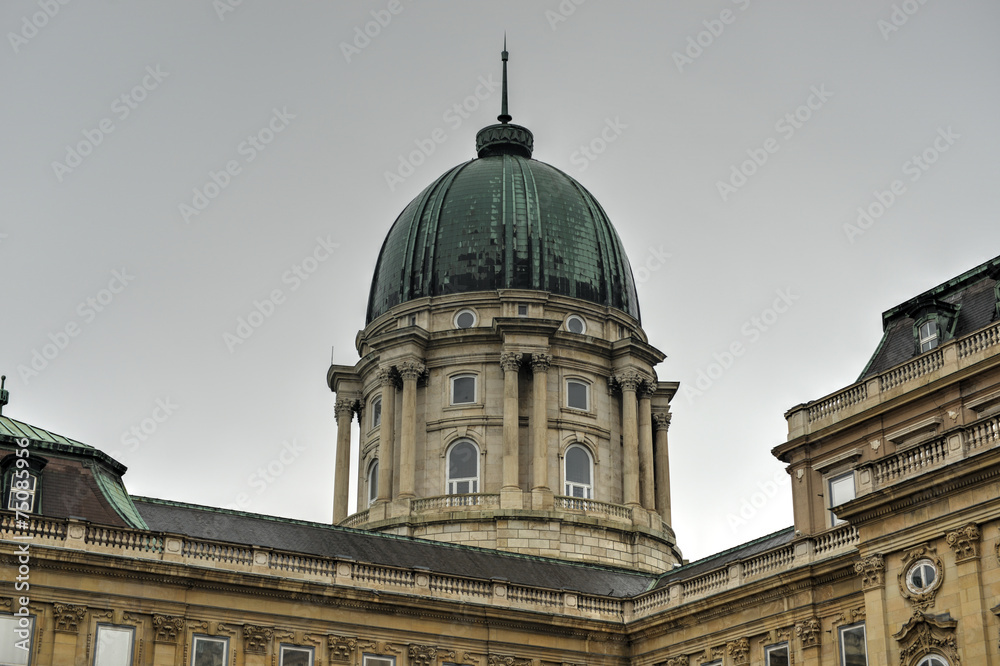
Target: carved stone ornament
{"type": "Point", "coordinates": [68, 617]}
{"type": "Point", "coordinates": [344, 407]}
{"type": "Point", "coordinates": [379, 647]}
{"type": "Point", "coordinates": [922, 599]}
{"type": "Point", "coordinates": [510, 361]}
{"type": "Point", "coordinates": [385, 376]}
{"type": "Point", "coordinates": [255, 639]}
{"type": "Point", "coordinates": [739, 651]}
{"type": "Point", "coordinates": [809, 632]}
{"type": "Point", "coordinates": [411, 370]}
{"type": "Point", "coordinates": [167, 628]}
{"type": "Point", "coordinates": [540, 362]}
{"type": "Point", "coordinates": [661, 420]}
{"type": "Point", "coordinates": [341, 647]}
{"type": "Point", "coordinates": [629, 380]}
{"type": "Point", "coordinates": [965, 542]}
{"type": "Point", "coordinates": [927, 634]}
{"type": "Point", "coordinates": [427, 655]}
{"type": "Point", "coordinates": [506, 660]}
{"type": "Point", "coordinates": [677, 661]}
{"type": "Point", "coordinates": [872, 571]}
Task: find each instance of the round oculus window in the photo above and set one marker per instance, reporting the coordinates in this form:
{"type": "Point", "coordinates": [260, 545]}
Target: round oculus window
{"type": "Point", "coordinates": [465, 319]}
{"type": "Point", "coordinates": [576, 324]}
{"type": "Point", "coordinates": [921, 576]}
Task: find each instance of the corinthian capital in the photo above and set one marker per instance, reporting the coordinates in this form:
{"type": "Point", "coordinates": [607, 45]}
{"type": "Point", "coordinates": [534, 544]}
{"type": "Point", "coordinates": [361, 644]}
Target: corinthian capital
{"type": "Point", "coordinates": [661, 420]}
{"type": "Point", "coordinates": [629, 380]}
{"type": "Point", "coordinates": [344, 407]}
{"type": "Point", "coordinates": [384, 376]}
{"type": "Point", "coordinates": [411, 369]}
{"type": "Point", "coordinates": [540, 362]}
{"type": "Point", "coordinates": [510, 361]}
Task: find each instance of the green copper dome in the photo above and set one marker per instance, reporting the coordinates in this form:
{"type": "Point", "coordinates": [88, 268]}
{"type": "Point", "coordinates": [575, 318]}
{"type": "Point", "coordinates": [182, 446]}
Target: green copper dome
{"type": "Point", "coordinates": [503, 221]}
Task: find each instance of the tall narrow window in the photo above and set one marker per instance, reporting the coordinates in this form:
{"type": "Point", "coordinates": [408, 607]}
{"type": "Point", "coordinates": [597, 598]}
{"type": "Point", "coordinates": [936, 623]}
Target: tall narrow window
{"type": "Point", "coordinates": [463, 389]}
{"type": "Point", "coordinates": [377, 412]}
{"type": "Point", "coordinates": [853, 646]}
{"type": "Point", "coordinates": [210, 651]}
{"type": "Point", "coordinates": [372, 482]}
{"type": "Point", "coordinates": [14, 638]}
{"type": "Point", "coordinates": [23, 491]}
{"type": "Point", "coordinates": [463, 468]}
{"type": "Point", "coordinates": [577, 394]}
{"type": "Point", "coordinates": [776, 655]}
{"type": "Point", "coordinates": [579, 472]}
{"type": "Point", "coordinates": [928, 333]}
{"type": "Point", "coordinates": [114, 645]}
{"type": "Point", "coordinates": [841, 489]}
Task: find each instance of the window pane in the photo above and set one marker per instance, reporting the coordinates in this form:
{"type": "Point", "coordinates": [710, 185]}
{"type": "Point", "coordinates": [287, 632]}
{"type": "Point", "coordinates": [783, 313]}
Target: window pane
{"type": "Point", "coordinates": [114, 646]}
{"type": "Point", "coordinates": [465, 319]}
{"type": "Point", "coordinates": [777, 656]}
{"type": "Point", "coordinates": [373, 482]}
{"type": "Point", "coordinates": [576, 395]}
{"type": "Point", "coordinates": [295, 656]}
{"type": "Point", "coordinates": [852, 647]}
{"type": "Point", "coordinates": [462, 461]}
{"type": "Point", "coordinates": [209, 652]}
{"type": "Point", "coordinates": [841, 489]}
{"type": "Point", "coordinates": [463, 390]}
{"type": "Point", "coordinates": [377, 412]}
{"type": "Point", "coordinates": [11, 644]}
{"type": "Point", "coordinates": [577, 465]}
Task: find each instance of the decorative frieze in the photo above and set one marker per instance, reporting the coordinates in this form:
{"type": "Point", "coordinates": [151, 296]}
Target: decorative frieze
{"type": "Point", "coordinates": [341, 647]}
{"type": "Point", "coordinates": [506, 660]}
{"type": "Point", "coordinates": [872, 571]}
{"type": "Point", "coordinates": [809, 632]}
{"type": "Point", "coordinates": [927, 634]}
{"type": "Point", "coordinates": [965, 542]}
{"type": "Point", "coordinates": [427, 655]}
{"type": "Point", "coordinates": [68, 618]}
{"type": "Point", "coordinates": [681, 660]}
{"type": "Point", "coordinates": [739, 651]}
{"type": "Point", "coordinates": [256, 639]}
{"type": "Point", "coordinates": [167, 627]}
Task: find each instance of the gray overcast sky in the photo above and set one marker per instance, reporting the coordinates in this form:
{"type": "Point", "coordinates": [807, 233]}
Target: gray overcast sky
{"type": "Point", "coordinates": [115, 114]}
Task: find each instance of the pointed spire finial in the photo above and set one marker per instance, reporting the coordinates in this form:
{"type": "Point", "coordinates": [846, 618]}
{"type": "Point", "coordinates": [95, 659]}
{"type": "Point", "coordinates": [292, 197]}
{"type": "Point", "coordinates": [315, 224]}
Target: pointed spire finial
{"type": "Point", "coordinates": [4, 394]}
{"type": "Point", "coordinates": [504, 117]}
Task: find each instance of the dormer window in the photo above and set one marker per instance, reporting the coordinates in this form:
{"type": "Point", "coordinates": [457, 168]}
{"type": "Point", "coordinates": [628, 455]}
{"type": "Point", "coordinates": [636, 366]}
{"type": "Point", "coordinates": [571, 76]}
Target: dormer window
{"type": "Point", "coordinates": [22, 482]}
{"type": "Point", "coordinates": [928, 335]}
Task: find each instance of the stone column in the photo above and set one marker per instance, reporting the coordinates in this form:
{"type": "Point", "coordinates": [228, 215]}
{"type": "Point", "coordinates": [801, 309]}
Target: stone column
{"type": "Point", "coordinates": [871, 569]}
{"type": "Point", "coordinates": [410, 371]}
{"type": "Point", "coordinates": [386, 434]}
{"type": "Point", "coordinates": [344, 408]}
{"type": "Point", "coordinates": [648, 491]}
{"type": "Point", "coordinates": [629, 383]}
{"type": "Point", "coordinates": [540, 363]}
{"type": "Point", "coordinates": [510, 362]}
{"type": "Point", "coordinates": [974, 606]}
{"type": "Point", "coordinates": [661, 462]}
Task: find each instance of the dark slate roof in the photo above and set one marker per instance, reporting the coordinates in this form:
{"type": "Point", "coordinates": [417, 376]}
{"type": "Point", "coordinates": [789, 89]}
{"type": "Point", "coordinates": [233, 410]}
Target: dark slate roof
{"type": "Point", "coordinates": [719, 560]}
{"type": "Point", "coordinates": [974, 294]}
{"type": "Point", "coordinates": [371, 547]}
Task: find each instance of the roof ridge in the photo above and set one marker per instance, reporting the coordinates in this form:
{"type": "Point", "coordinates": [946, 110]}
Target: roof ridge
{"type": "Point", "coordinates": [728, 551]}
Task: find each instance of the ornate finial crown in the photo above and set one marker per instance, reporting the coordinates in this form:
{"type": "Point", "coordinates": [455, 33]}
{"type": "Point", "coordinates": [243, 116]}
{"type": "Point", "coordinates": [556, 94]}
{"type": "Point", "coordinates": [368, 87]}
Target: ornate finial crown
{"type": "Point", "coordinates": [504, 139]}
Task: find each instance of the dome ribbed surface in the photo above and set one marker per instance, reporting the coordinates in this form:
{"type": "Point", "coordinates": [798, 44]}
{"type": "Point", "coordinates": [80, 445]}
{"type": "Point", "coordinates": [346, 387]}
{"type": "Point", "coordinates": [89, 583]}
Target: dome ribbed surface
{"type": "Point", "coordinates": [503, 222]}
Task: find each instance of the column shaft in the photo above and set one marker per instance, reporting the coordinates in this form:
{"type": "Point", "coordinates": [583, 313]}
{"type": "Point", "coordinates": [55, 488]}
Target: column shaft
{"type": "Point", "coordinates": [510, 362]}
{"type": "Point", "coordinates": [629, 382]}
{"type": "Point", "coordinates": [662, 465]}
{"type": "Point", "coordinates": [410, 372]}
{"type": "Point", "coordinates": [342, 462]}
{"type": "Point", "coordinates": [540, 421]}
{"type": "Point", "coordinates": [646, 452]}
{"type": "Point", "coordinates": [386, 435]}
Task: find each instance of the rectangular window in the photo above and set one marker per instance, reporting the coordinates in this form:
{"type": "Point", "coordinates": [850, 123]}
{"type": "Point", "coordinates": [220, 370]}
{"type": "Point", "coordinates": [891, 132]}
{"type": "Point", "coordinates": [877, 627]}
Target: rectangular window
{"type": "Point", "coordinates": [114, 645]}
{"type": "Point", "coordinates": [853, 646]}
{"type": "Point", "coordinates": [379, 660]}
{"type": "Point", "coordinates": [522, 310]}
{"type": "Point", "coordinates": [376, 412]}
{"type": "Point", "coordinates": [928, 336]}
{"type": "Point", "coordinates": [577, 395]}
{"type": "Point", "coordinates": [841, 490]}
{"type": "Point", "coordinates": [776, 655]}
{"type": "Point", "coordinates": [16, 636]}
{"type": "Point", "coordinates": [23, 487]}
{"type": "Point", "coordinates": [296, 655]}
{"type": "Point", "coordinates": [210, 651]}
{"type": "Point", "coordinates": [463, 390]}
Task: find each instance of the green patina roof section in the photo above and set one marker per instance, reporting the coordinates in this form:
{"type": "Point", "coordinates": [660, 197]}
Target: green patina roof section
{"type": "Point", "coordinates": [114, 491]}
{"type": "Point", "coordinates": [108, 478]}
{"type": "Point", "coordinates": [503, 222]}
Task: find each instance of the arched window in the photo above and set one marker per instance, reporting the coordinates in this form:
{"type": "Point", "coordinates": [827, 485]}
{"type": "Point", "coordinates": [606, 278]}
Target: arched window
{"type": "Point", "coordinates": [579, 472]}
{"type": "Point", "coordinates": [933, 660]}
{"type": "Point", "coordinates": [463, 468]}
{"type": "Point", "coordinates": [376, 412]}
{"type": "Point", "coordinates": [463, 389]}
{"type": "Point", "coordinates": [372, 482]}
